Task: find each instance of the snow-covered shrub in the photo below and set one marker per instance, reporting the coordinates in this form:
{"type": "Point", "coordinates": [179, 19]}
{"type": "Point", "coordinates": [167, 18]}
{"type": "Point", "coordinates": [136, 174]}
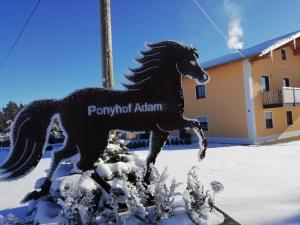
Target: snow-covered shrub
{"type": "Point", "coordinates": [55, 129]}
{"type": "Point", "coordinates": [1, 137]}
{"type": "Point", "coordinates": [135, 194]}
{"type": "Point", "coordinates": [5, 139]}
{"type": "Point", "coordinates": [216, 188]}
{"type": "Point", "coordinates": [198, 201]}
{"type": "Point", "coordinates": [136, 200]}
{"type": "Point", "coordinates": [126, 173]}
{"type": "Point", "coordinates": [109, 213]}
{"type": "Point", "coordinates": [78, 198]}
{"type": "Point", "coordinates": [163, 195]}
{"type": "Point", "coordinates": [127, 183]}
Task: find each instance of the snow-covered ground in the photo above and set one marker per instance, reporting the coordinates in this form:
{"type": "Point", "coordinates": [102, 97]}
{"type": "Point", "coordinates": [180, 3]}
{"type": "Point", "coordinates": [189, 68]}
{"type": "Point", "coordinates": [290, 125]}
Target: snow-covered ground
{"type": "Point", "coordinates": [262, 183]}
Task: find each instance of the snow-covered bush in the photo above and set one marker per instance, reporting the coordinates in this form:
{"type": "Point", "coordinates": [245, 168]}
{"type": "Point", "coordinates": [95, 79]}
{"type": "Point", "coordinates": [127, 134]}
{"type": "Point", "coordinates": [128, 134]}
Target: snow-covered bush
{"type": "Point", "coordinates": [73, 199]}
{"type": "Point", "coordinates": [126, 173]}
{"type": "Point", "coordinates": [55, 130]}
{"type": "Point", "coordinates": [109, 213]}
{"type": "Point", "coordinates": [5, 139]}
{"type": "Point", "coordinates": [162, 194]}
{"type": "Point", "coordinates": [216, 187]}
{"type": "Point", "coordinates": [198, 201]}
{"type": "Point", "coordinates": [1, 137]}
{"type": "Point", "coordinates": [78, 199]}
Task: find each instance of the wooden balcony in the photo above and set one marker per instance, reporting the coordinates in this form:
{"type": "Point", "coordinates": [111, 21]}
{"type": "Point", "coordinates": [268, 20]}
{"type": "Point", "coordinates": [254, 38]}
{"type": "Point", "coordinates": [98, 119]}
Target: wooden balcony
{"type": "Point", "coordinates": [285, 97]}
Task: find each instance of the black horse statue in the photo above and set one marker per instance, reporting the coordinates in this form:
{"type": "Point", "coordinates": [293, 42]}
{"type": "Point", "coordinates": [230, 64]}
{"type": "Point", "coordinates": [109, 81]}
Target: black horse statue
{"type": "Point", "coordinates": [152, 102]}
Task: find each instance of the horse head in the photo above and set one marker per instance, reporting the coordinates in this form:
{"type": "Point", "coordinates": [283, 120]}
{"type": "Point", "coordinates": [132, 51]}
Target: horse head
{"type": "Point", "coordinates": [186, 60]}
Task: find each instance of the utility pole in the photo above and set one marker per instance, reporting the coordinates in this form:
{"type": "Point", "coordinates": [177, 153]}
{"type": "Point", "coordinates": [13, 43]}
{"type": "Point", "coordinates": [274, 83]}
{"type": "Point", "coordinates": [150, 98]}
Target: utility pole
{"type": "Point", "coordinates": [106, 44]}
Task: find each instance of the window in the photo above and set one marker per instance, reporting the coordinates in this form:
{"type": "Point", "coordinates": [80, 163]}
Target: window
{"type": "Point", "coordinates": [283, 54]}
{"type": "Point", "coordinates": [200, 91]}
{"type": "Point", "coordinates": [269, 120]}
{"type": "Point", "coordinates": [286, 82]}
{"type": "Point", "coordinates": [289, 118]}
{"type": "Point", "coordinates": [184, 134]}
{"type": "Point", "coordinates": [203, 121]}
{"type": "Point", "coordinates": [265, 83]}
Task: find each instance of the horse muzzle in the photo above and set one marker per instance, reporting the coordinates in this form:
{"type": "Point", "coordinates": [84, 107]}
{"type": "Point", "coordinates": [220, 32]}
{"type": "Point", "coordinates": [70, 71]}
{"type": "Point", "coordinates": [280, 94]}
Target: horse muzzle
{"type": "Point", "coordinates": [203, 80]}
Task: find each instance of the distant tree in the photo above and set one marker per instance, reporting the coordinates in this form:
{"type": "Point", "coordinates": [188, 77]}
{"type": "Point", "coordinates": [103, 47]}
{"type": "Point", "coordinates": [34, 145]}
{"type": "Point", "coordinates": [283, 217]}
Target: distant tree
{"type": "Point", "coordinates": [8, 113]}
{"type": "Point", "coordinates": [1, 122]}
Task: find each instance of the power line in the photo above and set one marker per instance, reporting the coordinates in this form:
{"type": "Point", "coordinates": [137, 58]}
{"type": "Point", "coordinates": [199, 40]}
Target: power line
{"type": "Point", "coordinates": [214, 24]}
{"type": "Point", "coordinates": [19, 35]}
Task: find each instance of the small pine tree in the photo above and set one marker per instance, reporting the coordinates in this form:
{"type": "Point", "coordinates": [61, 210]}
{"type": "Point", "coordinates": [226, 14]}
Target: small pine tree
{"type": "Point", "coordinates": [199, 201]}
{"type": "Point", "coordinates": [163, 195]}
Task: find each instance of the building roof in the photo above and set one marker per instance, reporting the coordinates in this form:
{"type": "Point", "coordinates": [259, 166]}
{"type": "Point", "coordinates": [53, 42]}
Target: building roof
{"type": "Point", "coordinates": [260, 50]}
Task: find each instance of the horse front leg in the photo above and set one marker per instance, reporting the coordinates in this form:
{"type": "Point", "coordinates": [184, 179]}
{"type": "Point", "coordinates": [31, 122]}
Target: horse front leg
{"type": "Point", "coordinates": [196, 126]}
{"type": "Point", "coordinates": [158, 138]}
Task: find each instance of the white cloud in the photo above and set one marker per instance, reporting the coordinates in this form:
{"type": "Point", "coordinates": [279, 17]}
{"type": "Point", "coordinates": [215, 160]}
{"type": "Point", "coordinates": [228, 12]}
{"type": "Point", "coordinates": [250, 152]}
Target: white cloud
{"type": "Point", "coordinates": [235, 29]}
{"type": "Point", "coordinates": [231, 8]}
{"type": "Point", "coordinates": [235, 34]}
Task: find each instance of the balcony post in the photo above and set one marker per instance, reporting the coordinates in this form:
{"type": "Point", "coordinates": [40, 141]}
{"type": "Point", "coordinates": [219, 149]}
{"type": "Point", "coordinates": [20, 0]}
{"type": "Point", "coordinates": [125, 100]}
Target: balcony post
{"type": "Point", "coordinates": [294, 96]}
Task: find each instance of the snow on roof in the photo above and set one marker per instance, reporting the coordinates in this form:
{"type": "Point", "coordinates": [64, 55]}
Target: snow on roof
{"type": "Point", "coordinates": [260, 49]}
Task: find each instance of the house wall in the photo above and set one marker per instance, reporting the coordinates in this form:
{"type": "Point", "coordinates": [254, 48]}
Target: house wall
{"type": "Point", "coordinates": [277, 70]}
{"type": "Point", "coordinates": [224, 102]}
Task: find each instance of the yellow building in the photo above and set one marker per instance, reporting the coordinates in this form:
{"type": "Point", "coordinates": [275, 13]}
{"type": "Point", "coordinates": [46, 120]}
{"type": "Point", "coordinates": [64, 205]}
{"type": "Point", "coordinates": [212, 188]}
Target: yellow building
{"type": "Point", "coordinates": [253, 95]}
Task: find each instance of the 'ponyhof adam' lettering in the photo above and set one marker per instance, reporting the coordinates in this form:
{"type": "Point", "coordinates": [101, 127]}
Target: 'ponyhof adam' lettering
{"type": "Point", "coordinates": [123, 109]}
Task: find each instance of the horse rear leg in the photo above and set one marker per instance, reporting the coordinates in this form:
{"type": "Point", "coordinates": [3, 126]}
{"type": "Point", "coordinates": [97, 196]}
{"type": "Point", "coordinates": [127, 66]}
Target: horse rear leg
{"type": "Point", "coordinates": [66, 152]}
{"type": "Point", "coordinates": [157, 140]}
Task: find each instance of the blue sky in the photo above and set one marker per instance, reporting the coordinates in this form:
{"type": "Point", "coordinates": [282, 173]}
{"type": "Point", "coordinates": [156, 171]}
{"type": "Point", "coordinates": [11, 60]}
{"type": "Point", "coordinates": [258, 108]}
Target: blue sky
{"type": "Point", "coordinates": [59, 51]}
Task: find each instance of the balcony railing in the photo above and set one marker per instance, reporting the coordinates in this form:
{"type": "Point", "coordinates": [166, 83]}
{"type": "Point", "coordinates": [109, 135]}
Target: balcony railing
{"type": "Point", "coordinates": [287, 96]}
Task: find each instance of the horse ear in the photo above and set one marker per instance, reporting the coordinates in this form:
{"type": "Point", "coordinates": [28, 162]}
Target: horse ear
{"type": "Point", "coordinates": [195, 51]}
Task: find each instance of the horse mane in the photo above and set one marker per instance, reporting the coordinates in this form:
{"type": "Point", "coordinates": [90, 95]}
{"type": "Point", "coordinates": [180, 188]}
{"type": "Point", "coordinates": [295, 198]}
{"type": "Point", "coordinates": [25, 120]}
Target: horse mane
{"type": "Point", "coordinates": [142, 77]}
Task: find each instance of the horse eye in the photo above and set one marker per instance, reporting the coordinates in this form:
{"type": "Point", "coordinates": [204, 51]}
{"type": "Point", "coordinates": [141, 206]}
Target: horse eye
{"type": "Point", "coordinates": [193, 62]}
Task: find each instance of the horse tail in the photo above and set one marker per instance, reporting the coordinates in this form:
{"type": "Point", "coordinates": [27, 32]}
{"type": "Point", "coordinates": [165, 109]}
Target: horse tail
{"type": "Point", "coordinates": [28, 138]}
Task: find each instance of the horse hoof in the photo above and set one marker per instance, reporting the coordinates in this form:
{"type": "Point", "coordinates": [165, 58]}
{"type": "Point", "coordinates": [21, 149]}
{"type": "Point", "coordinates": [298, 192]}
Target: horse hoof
{"type": "Point", "coordinates": [34, 195]}
{"type": "Point", "coordinates": [202, 156]}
